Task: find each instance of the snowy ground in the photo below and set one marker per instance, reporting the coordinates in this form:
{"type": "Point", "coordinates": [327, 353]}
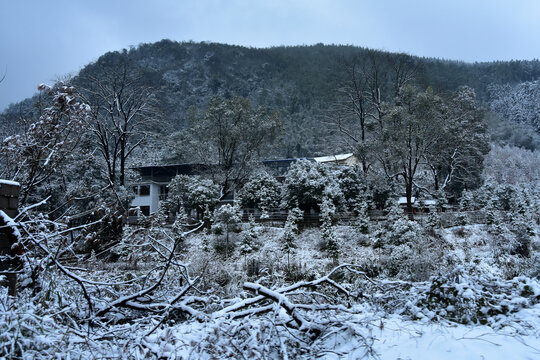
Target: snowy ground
{"type": "Point", "coordinates": [387, 318]}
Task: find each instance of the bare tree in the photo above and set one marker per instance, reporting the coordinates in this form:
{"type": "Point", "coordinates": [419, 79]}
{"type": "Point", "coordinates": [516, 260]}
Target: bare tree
{"type": "Point", "coordinates": [122, 111]}
{"type": "Point", "coordinates": [361, 106]}
{"type": "Point", "coordinates": [404, 70]}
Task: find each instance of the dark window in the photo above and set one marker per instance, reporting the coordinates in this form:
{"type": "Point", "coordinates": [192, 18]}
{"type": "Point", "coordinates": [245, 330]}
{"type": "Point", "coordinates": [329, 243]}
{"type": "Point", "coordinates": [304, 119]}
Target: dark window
{"type": "Point", "coordinates": [145, 210]}
{"type": "Point", "coordinates": [136, 190]}
{"type": "Point", "coordinates": [163, 192]}
{"type": "Point", "coordinates": [144, 190]}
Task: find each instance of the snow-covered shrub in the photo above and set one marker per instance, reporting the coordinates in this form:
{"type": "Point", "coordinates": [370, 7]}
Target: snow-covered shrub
{"type": "Point", "coordinates": [262, 191]}
{"type": "Point", "coordinates": [194, 193]}
{"type": "Point", "coordinates": [28, 329]}
{"type": "Point", "coordinates": [248, 241]}
{"type": "Point", "coordinates": [413, 260]}
{"type": "Point", "coordinates": [466, 295]}
{"type": "Point", "coordinates": [361, 220]}
{"type": "Point", "coordinates": [307, 182]}
{"type": "Point", "coordinates": [226, 221]}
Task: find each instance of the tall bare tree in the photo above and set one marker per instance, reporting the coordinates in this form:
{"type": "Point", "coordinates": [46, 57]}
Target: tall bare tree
{"type": "Point", "coordinates": [361, 106]}
{"type": "Point", "coordinates": [123, 112]}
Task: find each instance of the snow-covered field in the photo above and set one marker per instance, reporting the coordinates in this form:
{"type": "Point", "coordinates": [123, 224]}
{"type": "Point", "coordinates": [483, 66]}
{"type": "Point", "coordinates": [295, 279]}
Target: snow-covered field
{"type": "Point", "coordinates": [470, 307]}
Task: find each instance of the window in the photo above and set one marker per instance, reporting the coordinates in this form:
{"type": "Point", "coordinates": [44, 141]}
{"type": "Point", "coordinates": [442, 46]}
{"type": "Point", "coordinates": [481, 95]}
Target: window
{"type": "Point", "coordinates": [163, 192]}
{"type": "Point", "coordinates": [142, 190]}
{"type": "Point", "coordinates": [145, 210]}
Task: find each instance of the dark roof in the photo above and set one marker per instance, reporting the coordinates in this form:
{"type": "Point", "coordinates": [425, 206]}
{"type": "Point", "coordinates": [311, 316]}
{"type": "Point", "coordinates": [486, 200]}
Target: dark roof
{"type": "Point", "coordinates": [282, 162]}
{"type": "Point", "coordinates": [167, 172]}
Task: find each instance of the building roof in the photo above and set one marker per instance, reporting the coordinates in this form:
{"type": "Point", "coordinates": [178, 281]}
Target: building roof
{"type": "Point", "coordinates": [333, 158]}
{"type": "Point", "coordinates": [403, 200]}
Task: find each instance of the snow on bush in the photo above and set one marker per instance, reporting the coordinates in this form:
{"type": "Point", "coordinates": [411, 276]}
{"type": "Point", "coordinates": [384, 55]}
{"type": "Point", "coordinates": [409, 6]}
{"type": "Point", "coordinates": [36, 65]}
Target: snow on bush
{"type": "Point", "coordinates": [468, 295]}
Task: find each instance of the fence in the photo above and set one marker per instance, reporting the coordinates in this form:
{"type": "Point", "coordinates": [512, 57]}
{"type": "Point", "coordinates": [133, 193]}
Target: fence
{"type": "Point", "coordinates": [449, 218]}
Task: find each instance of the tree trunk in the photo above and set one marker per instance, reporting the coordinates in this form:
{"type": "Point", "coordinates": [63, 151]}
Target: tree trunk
{"type": "Point", "coordinates": [408, 193]}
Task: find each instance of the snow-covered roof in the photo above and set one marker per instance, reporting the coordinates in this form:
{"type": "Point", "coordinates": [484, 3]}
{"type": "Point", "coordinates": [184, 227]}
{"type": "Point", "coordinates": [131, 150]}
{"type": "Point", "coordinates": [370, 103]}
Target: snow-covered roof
{"type": "Point", "coordinates": [332, 158]}
{"type": "Point", "coordinates": [403, 200]}
{"type": "Point", "coordinates": [9, 182]}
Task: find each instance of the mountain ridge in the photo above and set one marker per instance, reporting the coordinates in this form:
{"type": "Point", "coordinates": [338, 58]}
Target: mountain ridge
{"type": "Point", "coordinates": [301, 82]}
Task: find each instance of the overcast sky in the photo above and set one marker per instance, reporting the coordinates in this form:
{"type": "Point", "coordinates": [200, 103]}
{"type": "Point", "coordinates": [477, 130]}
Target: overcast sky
{"type": "Point", "coordinates": [42, 40]}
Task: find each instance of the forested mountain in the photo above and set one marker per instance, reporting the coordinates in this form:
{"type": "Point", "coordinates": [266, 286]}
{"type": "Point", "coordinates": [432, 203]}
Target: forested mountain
{"type": "Point", "coordinates": [301, 82]}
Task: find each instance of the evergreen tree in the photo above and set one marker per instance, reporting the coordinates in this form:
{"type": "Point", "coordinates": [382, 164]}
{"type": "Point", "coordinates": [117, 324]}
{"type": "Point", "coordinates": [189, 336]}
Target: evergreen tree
{"type": "Point", "coordinates": [441, 200]}
{"type": "Point", "coordinates": [361, 210]}
{"type": "Point", "coordinates": [161, 216]}
{"type": "Point", "coordinates": [248, 241]}
{"type": "Point", "coordinates": [288, 241]}
{"type": "Point", "coordinates": [493, 219]}
{"type": "Point", "coordinates": [227, 217]}
{"type": "Point", "coordinates": [433, 220]}
{"type": "Point", "coordinates": [294, 218]}
{"type": "Point", "coordinates": [466, 201]}
{"type": "Point", "coordinates": [328, 210]}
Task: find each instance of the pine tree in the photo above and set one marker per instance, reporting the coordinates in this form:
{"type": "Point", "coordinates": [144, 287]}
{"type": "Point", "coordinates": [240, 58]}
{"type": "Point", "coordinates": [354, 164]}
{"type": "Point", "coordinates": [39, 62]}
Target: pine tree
{"type": "Point", "coordinates": [395, 212]}
{"type": "Point", "coordinates": [294, 218]}
{"type": "Point", "coordinates": [521, 213]}
{"type": "Point", "coordinates": [180, 223]}
{"type": "Point", "coordinates": [433, 219]}
{"type": "Point", "coordinates": [466, 201]}
{"type": "Point", "coordinates": [161, 216]}
{"type": "Point", "coordinates": [328, 210]}
{"type": "Point", "coordinates": [493, 219]}
{"type": "Point", "coordinates": [361, 221]}
{"type": "Point", "coordinates": [248, 241]}
{"type": "Point", "coordinates": [441, 200]}
{"type": "Point", "coordinates": [288, 241]}
{"type": "Point", "coordinates": [522, 223]}
{"type": "Point", "coordinates": [227, 217]}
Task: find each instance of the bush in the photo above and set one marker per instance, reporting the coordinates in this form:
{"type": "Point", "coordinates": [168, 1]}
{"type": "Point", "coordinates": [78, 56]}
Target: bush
{"type": "Point", "coordinates": [470, 296]}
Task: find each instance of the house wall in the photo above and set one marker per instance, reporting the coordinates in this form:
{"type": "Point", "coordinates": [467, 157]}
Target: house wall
{"type": "Point", "coordinates": [151, 200]}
